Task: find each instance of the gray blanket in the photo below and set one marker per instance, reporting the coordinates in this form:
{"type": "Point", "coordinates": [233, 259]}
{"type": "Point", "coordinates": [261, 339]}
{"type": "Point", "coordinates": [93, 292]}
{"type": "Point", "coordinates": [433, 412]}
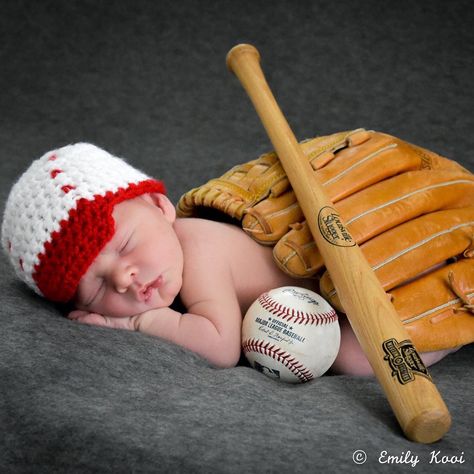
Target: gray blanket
{"type": "Point", "coordinates": [147, 81]}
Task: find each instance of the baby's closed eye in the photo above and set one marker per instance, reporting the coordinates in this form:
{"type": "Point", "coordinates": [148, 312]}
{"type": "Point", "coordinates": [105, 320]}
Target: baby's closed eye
{"type": "Point", "coordinates": [94, 295]}
{"type": "Point", "coordinates": [126, 244]}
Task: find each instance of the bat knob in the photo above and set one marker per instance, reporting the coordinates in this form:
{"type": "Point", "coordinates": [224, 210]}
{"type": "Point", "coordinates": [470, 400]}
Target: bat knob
{"type": "Point", "coordinates": [239, 51]}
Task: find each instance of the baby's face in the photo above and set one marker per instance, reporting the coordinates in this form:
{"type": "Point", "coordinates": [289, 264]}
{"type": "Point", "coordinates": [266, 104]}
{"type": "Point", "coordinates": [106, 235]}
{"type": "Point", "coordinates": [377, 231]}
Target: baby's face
{"type": "Point", "coordinates": [141, 267]}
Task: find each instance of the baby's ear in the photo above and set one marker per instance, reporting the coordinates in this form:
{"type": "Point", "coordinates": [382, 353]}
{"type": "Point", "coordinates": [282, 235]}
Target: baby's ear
{"type": "Point", "coordinates": [166, 206]}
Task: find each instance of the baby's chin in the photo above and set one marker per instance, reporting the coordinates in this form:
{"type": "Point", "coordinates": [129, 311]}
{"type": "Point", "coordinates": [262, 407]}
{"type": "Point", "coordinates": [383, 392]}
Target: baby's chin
{"type": "Point", "coordinates": [162, 300]}
{"type": "Point", "coordinates": [166, 294]}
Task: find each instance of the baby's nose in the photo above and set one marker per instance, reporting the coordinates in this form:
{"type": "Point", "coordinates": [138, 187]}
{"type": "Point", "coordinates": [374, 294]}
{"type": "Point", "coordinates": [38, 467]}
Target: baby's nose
{"type": "Point", "coordinates": [123, 277]}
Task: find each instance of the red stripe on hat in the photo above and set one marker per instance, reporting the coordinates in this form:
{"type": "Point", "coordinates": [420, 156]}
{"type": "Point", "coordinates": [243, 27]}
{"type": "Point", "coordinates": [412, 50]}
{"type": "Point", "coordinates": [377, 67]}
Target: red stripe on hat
{"type": "Point", "coordinates": [72, 249]}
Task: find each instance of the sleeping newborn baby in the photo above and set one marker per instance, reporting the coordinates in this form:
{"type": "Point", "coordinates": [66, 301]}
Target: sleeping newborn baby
{"type": "Point", "coordinates": [85, 227]}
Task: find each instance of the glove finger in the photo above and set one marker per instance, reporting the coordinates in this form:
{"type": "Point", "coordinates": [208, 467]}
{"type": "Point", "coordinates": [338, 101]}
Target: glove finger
{"type": "Point", "coordinates": [239, 188]}
{"type": "Point", "coordinates": [393, 201]}
{"type": "Point", "coordinates": [296, 253]}
{"type": "Point", "coordinates": [375, 157]}
{"type": "Point", "coordinates": [409, 249]}
{"type": "Point", "coordinates": [435, 308]}
{"type": "Point", "coordinates": [269, 220]}
{"type": "Point", "coordinates": [406, 251]}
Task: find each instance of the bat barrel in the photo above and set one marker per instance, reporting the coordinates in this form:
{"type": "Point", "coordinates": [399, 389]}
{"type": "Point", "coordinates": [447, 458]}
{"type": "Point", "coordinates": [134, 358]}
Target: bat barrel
{"type": "Point", "coordinates": [417, 404]}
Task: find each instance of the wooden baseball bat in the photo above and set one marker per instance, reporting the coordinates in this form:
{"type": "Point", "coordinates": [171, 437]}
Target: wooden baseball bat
{"type": "Point", "coordinates": [415, 400]}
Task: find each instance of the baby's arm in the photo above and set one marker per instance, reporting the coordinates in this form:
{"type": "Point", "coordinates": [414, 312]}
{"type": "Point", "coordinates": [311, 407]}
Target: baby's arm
{"type": "Point", "coordinates": [208, 329]}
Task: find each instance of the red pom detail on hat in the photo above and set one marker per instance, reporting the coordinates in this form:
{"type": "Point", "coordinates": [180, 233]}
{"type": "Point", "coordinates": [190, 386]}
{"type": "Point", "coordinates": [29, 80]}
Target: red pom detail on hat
{"type": "Point", "coordinates": [81, 237]}
{"type": "Point", "coordinates": [68, 187]}
{"type": "Point", "coordinates": [54, 173]}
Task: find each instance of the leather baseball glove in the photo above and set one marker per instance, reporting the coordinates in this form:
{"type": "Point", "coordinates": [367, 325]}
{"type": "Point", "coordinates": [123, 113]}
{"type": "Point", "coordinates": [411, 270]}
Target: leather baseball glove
{"type": "Point", "coordinates": [410, 210]}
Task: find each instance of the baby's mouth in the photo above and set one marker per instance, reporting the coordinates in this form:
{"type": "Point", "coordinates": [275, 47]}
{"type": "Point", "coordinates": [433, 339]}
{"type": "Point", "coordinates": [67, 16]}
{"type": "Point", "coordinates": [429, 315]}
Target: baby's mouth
{"type": "Point", "coordinates": [147, 290]}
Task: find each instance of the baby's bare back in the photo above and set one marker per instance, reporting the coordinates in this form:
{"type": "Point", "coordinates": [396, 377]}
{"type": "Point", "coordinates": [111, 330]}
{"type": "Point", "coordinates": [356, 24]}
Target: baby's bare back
{"type": "Point", "coordinates": [223, 251]}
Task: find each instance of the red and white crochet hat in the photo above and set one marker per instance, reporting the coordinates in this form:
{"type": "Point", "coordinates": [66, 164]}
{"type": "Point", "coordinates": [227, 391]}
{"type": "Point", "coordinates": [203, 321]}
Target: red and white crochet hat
{"type": "Point", "coordinates": [58, 216]}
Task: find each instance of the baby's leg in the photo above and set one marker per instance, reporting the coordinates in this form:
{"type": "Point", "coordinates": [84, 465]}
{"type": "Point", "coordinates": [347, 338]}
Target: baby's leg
{"type": "Point", "coordinates": [351, 359]}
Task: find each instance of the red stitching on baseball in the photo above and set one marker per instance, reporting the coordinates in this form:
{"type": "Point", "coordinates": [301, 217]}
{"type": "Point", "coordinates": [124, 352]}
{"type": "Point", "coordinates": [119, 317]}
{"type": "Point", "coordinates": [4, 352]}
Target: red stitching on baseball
{"type": "Point", "coordinates": [300, 317]}
{"type": "Point", "coordinates": [290, 362]}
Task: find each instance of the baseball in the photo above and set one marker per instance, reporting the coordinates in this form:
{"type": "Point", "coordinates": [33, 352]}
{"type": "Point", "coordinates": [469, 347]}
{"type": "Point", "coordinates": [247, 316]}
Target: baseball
{"type": "Point", "coordinates": [291, 334]}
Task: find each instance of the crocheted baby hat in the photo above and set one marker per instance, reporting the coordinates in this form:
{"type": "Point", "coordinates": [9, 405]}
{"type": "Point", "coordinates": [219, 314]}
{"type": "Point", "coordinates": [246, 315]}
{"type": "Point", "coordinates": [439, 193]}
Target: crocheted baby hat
{"type": "Point", "coordinates": [58, 215]}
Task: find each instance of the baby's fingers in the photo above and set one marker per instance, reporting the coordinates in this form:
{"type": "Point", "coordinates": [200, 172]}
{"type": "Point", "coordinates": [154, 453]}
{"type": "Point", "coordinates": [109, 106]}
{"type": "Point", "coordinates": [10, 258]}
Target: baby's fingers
{"type": "Point", "coordinates": [96, 319]}
{"type": "Point", "coordinates": [76, 314]}
{"type": "Point", "coordinates": [84, 317]}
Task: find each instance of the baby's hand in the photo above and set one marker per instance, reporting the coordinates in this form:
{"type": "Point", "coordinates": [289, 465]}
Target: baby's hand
{"type": "Point", "coordinates": [96, 319]}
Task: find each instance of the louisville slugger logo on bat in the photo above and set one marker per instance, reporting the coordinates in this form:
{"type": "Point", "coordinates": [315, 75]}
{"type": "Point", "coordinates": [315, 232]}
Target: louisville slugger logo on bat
{"type": "Point", "coordinates": [332, 228]}
{"type": "Point", "coordinates": [404, 360]}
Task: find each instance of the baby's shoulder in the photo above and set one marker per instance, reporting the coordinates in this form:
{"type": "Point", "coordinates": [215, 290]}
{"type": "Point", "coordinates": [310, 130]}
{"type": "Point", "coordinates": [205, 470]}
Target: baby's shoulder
{"type": "Point", "coordinates": [203, 233]}
{"type": "Point", "coordinates": [208, 264]}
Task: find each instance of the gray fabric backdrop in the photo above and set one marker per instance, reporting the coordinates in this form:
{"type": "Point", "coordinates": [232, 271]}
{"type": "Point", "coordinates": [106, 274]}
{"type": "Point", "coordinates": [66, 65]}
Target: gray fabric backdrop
{"type": "Point", "coordinates": [147, 80]}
